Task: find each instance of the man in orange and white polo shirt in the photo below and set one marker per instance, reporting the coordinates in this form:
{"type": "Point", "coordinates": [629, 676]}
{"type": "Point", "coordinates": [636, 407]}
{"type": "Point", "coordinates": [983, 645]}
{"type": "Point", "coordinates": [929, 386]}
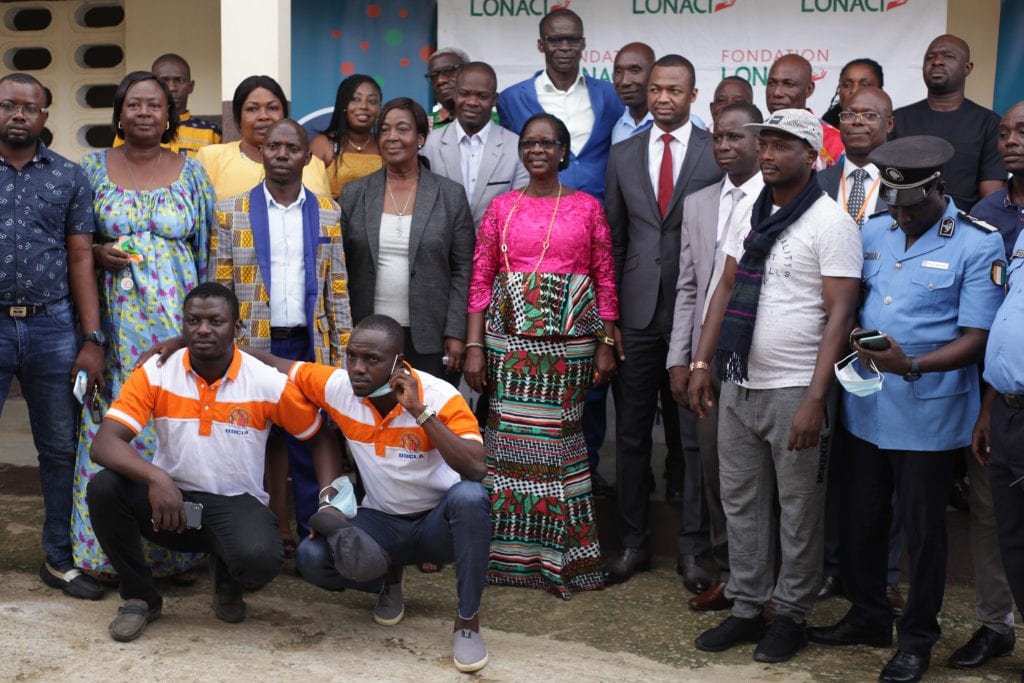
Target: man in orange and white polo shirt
{"type": "Point", "coordinates": [421, 460]}
{"type": "Point", "coordinates": [213, 406]}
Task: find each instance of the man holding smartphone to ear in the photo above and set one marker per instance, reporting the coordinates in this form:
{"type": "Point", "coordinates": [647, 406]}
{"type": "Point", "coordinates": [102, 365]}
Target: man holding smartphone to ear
{"type": "Point", "coordinates": [213, 406]}
{"type": "Point", "coordinates": [927, 285]}
{"type": "Point", "coordinates": [421, 459]}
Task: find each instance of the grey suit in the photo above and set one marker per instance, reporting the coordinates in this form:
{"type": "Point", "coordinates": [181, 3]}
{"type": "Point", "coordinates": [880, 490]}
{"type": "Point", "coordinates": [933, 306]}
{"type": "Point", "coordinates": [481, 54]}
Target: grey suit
{"type": "Point", "coordinates": [830, 180]}
{"type": "Point", "coordinates": [441, 244]}
{"type": "Point", "coordinates": [697, 257]}
{"type": "Point", "coordinates": [646, 250]}
{"type": "Point", "coordinates": [500, 168]}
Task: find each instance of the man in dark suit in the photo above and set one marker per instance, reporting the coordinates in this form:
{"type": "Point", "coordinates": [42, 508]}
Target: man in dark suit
{"type": "Point", "coordinates": [707, 215]}
{"type": "Point", "coordinates": [864, 124]}
{"type": "Point", "coordinates": [648, 177]}
{"type": "Point", "coordinates": [588, 107]}
{"type": "Point", "coordinates": [478, 154]}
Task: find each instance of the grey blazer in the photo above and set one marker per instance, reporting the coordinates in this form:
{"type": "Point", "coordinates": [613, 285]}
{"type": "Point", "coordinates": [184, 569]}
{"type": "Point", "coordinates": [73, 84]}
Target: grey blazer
{"type": "Point", "coordinates": [830, 180]}
{"type": "Point", "coordinates": [645, 245]}
{"type": "Point", "coordinates": [500, 168]}
{"type": "Point", "coordinates": [441, 243]}
{"type": "Point", "coordinates": [697, 257]}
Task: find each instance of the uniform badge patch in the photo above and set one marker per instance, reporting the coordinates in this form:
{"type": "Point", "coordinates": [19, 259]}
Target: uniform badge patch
{"type": "Point", "coordinates": [947, 227]}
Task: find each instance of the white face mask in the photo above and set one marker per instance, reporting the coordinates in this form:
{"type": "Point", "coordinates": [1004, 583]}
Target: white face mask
{"type": "Point", "coordinates": [853, 382]}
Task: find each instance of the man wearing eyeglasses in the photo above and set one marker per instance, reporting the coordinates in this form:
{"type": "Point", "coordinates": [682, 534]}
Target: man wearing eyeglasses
{"type": "Point", "coordinates": [588, 107]}
{"type": "Point", "coordinates": [46, 278]}
{"type": "Point", "coordinates": [442, 69]}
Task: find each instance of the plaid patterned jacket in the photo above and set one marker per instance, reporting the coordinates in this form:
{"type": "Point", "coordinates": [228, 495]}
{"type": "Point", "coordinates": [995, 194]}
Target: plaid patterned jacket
{"type": "Point", "coordinates": [235, 264]}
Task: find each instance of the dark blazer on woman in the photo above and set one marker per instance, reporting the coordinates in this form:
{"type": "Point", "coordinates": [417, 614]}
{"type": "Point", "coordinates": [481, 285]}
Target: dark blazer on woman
{"type": "Point", "coordinates": [441, 244]}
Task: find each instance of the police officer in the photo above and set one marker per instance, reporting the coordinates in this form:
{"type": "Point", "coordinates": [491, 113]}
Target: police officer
{"type": "Point", "coordinates": [928, 289]}
{"type": "Point", "coordinates": [1000, 428]}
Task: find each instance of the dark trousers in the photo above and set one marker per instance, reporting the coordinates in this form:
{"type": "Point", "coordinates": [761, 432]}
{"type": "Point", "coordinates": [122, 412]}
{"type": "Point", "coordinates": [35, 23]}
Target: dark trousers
{"type": "Point", "coordinates": [458, 528]}
{"type": "Point", "coordinates": [636, 390]}
{"type": "Point", "coordinates": [430, 363]}
{"type": "Point", "coordinates": [305, 486]}
{"type": "Point", "coordinates": [594, 423]}
{"type": "Point", "coordinates": [239, 531]}
{"type": "Point", "coordinates": [1006, 474]}
{"type": "Point", "coordinates": [921, 481]}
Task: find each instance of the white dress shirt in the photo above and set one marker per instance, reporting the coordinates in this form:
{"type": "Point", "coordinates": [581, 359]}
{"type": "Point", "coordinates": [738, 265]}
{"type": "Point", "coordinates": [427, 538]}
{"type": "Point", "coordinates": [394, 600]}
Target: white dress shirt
{"type": "Point", "coordinates": [471, 151]}
{"type": "Point", "coordinates": [572, 106]}
{"type": "Point", "coordinates": [656, 150]}
{"type": "Point", "coordinates": [287, 262]}
{"type": "Point", "coordinates": [870, 186]}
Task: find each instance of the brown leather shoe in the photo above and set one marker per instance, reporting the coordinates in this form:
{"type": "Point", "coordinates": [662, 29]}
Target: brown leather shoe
{"type": "Point", "coordinates": [895, 597]}
{"type": "Point", "coordinates": [711, 600]}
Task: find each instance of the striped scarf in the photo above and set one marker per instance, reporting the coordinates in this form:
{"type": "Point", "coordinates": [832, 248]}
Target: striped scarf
{"type": "Point", "coordinates": [741, 311]}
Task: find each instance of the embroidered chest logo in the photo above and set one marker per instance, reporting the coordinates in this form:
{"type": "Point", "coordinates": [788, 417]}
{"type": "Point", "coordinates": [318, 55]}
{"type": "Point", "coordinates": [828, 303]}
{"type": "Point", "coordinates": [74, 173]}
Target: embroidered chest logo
{"type": "Point", "coordinates": [239, 421]}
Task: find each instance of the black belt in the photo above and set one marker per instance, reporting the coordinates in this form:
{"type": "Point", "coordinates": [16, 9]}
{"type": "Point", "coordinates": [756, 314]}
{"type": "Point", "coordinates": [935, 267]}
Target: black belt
{"type": "Point", "coordinates": [1015, 401]}
{"type": "Point", "coordinates": [288, 332]}
{"type": "Point", "coordinates": [25, 310]}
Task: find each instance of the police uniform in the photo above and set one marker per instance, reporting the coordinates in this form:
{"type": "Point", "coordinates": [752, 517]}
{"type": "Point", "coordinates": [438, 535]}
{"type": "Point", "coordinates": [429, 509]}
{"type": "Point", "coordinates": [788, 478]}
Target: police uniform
{"type": "Point", "coordinates": [1004, 371]}
{"type": "Point", "coordinates": [906, 436]}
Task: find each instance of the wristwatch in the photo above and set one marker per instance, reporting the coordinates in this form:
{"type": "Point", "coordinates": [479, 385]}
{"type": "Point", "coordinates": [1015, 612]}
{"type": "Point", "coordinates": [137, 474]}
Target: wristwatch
{"type": "Point", "coordinates": [915, 371]}
{"type": "Point", "coordinates": [98, 338]}
{"type": "Point", "coordinates": [427, 413]}
{"type": "Point", "coordinates": [606, 339]}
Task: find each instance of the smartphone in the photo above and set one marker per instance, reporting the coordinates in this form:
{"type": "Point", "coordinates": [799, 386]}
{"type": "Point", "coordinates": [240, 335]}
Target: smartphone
{"type": "Point", "coordinates": [79, 386]}
{"type": "Point", "coordinates": [193, 515]}
{"type": "Point", "coordinates": [95, 405]}
{"type": "Point", "coordinates": [873, 340]}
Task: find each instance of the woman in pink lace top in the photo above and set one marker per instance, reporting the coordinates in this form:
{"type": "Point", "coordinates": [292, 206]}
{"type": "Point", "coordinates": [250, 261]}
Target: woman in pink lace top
{"type": "Point", "coordinates": [541, 305]}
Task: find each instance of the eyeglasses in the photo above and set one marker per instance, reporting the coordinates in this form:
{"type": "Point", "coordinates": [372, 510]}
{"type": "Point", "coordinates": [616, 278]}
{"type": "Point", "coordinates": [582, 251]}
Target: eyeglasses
{"type": "Point", "coordinates": [545, 143]}
{"type": "Point", "coordinates": [432, 76]}
{"type": "Point", "coordinates": [557, 41]}
{"type": "Point", "coordinates": [8, 108]}
{"type": "Point", "coordinates": [865, 116]}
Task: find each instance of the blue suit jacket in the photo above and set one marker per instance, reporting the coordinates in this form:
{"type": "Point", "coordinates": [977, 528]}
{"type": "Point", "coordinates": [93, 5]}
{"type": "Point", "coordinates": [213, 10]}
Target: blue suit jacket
{"type": "Point", "coordinates": [586, 168]}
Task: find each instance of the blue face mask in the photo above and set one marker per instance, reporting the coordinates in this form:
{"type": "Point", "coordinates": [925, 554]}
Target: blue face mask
{"type": "Point", "coordinates": [385, 389]}
{"type": "Point", "coordinates": [853, 382]}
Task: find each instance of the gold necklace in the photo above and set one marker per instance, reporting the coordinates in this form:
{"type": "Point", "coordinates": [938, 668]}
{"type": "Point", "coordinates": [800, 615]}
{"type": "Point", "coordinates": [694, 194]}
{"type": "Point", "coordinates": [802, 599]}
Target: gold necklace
{"type": "Point", "coordinates": [355, 146]}
{"type": "Point", "coordinates": [547, 237]}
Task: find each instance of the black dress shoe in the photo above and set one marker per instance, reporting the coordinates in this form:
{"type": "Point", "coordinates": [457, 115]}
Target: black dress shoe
{"type": "Point", "coordinates": [783, 639]}
{"type": "Point", "coordinates": [629, 562]}
{"type": "Point", "coordinates": [732, 631]}
{"type": "Point", "coordinates": [904, 667]}
{"type": "Point", "coordinates": [846, 632]}
{"type": "Point", "coordinates": [830, 588]}
{"type": "Point", "coordinates": [695, 578]}
{"type": "Point", "coordinates": [983, 646]}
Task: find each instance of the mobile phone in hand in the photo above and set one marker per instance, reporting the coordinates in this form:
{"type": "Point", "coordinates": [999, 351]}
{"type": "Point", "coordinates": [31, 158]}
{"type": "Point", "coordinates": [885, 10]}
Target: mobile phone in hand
{"type": "Point", "coordinates": [193, 515]}
{"type": "Point", "coordinates": [873, 340]}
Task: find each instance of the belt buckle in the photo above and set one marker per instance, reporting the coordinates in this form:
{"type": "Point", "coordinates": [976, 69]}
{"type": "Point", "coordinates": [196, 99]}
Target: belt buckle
{"type": "Point", "coordinates": [18, 311]}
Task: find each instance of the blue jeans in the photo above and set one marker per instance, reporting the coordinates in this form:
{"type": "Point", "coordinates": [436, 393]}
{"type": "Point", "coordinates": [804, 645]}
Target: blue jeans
{"type": "Point", "coordinates": [458, 528]}
{"type": "Point", "coordinates": [305, 487]}
{"type": "Point", "coordinates": [40, 351]}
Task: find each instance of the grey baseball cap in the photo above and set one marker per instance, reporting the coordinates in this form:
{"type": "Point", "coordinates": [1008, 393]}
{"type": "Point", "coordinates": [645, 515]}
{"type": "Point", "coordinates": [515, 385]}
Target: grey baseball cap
{"type": "Point", "coordinates": [799, 123]}
{"type": "Point", "coordinates": [357, 556]}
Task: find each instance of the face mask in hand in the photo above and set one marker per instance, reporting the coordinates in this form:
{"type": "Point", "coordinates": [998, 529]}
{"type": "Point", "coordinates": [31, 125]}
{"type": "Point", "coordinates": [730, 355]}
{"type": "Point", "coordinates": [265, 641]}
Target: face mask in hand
{"type": "Point", "coordinates": [385, 389]}
{"type": "Point", "coordinates": [853, 382]}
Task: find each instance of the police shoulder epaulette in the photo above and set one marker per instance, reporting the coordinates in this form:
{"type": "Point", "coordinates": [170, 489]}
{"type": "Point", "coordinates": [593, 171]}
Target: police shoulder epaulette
{"type": "Point", "coordinates": [876, 214]}
{"type": "Point", "coordinates": [203, 124]}
{"type": "Point", "coordinates": [977, 222]}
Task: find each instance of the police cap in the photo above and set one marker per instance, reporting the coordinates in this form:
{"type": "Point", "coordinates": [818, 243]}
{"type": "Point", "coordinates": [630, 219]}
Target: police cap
{"type": "Point", "coordinates": [910, 167]}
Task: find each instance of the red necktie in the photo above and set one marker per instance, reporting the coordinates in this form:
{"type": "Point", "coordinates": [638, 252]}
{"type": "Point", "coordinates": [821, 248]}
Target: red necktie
{"type": "Point", "coordinates": [665, 179]}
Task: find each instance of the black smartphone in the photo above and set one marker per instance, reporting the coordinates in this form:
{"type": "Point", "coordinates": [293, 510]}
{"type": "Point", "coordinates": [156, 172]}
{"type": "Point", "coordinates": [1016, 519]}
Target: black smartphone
{"type": "Point", "coordinates": [873, 340]}
{"type": "Point", "coordinates": [95, 405]}
{"type": "Point", "coordinates": [193, 515]}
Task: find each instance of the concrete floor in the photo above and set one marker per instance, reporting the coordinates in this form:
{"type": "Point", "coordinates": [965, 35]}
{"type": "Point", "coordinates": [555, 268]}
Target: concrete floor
{"type": "Point", "coordinates": [640, 630]}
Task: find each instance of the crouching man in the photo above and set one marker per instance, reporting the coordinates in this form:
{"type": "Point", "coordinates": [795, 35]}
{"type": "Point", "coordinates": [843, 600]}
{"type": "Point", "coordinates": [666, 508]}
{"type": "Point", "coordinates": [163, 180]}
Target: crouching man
{"type": "Point", "coordinates": [213, 406]}
{"type": "Point", "coordinates": [421, 459]}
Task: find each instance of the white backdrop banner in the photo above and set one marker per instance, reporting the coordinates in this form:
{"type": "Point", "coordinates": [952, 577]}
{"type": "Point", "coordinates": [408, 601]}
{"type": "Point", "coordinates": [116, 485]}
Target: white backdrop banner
{"type": "Point", "coordinates": [721, 37]}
